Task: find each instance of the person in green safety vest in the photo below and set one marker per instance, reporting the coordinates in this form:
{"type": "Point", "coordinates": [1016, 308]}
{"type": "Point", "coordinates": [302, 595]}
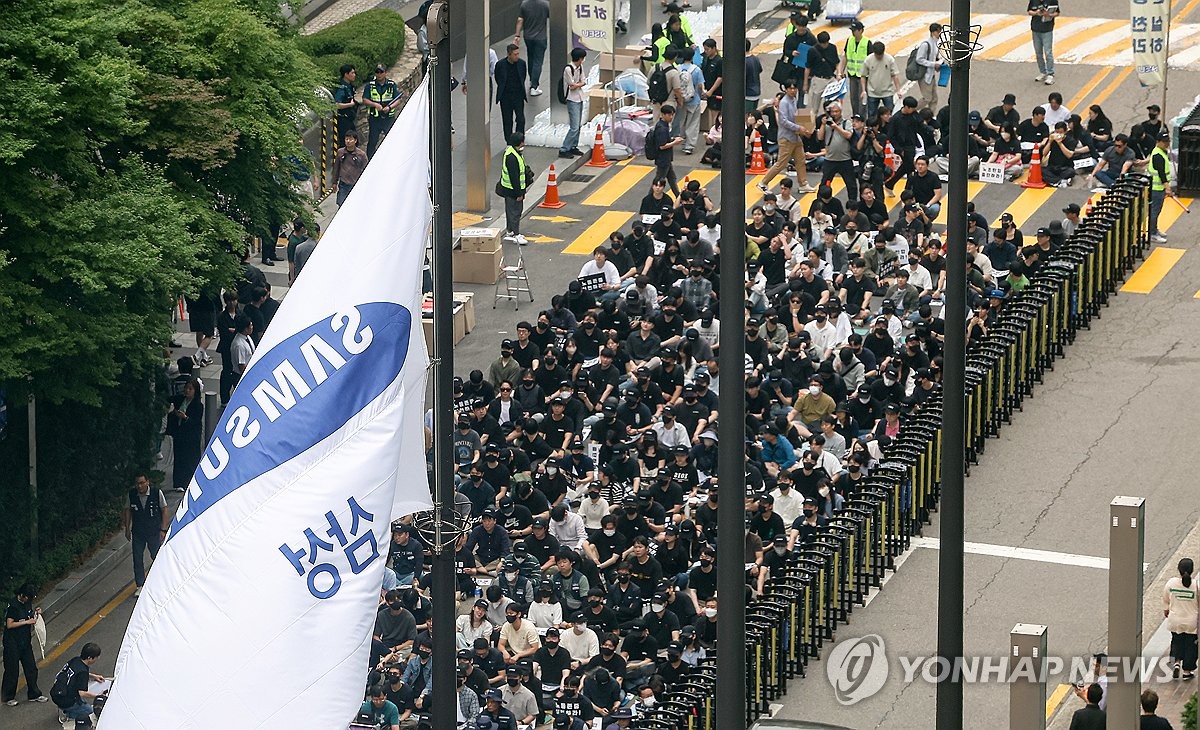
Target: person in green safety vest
{"type": "Point", "coordinates": [854, 52]}
{"type": "Point", "coordinates": [1160, 182]}
{"type": "Point", "coordinates": [515, 179]}
{"type": "Point", "coordinates": [381, 96]}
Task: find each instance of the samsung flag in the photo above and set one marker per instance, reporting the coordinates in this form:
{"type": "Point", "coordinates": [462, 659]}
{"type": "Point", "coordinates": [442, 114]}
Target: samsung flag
{"type": "Point", "coordinates": [259, 610]}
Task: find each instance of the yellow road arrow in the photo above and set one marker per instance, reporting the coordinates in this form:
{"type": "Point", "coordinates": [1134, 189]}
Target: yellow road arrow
{"type": "Point", "coordinates": [543, 239]}
{"type": "Point", "coordinates": [554, 218]}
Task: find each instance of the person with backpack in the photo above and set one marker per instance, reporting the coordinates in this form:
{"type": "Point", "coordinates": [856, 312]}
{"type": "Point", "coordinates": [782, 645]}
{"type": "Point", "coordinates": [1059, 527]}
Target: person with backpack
{"type": "Point", "coordinates": [924, 65]}
{"type": "Point", "coordinates": [570, 93]}
{"type": "Point", "coordinates": [691, 87]}
{"type": "Point", "coordinates": [19, 620]}
{"type": "Point", "coordinates": [70, 691]}
{"type": "Point", "coordinates": [663, 84]}
{"type": "Point", "coordinates": [660, 147]}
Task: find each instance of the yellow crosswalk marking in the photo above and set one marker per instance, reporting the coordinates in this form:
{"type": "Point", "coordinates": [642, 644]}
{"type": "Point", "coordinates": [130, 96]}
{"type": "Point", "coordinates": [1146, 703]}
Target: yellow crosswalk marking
{"type": "Point", "coordinates": [1156, 266]}
{"type": "Point", "coordinates": [993, 51]}
{"type": "Point", "coordinates": [1101, 48]}
{"type": "Point", "coordinates": [1113, 85]}
{"type": "Point", "coordinates": [1078, 100]}
{"type": "Point", "coordinates": [1079, 34]}
{"type": "Point", "coordinates": [1171, 213]}
{"type": "Point", "coordinates": [753, 194]}
{"type": "Point", "coordinates": [974, 187]}
{"type": "Point", "coordinates": [702, 176]}
{"type": "Point", "coordinates": [622, 182]}
{"type": "Point", "coordinates": [1026, 204]}
{"type": "Point", "coordinates": [597, 233]}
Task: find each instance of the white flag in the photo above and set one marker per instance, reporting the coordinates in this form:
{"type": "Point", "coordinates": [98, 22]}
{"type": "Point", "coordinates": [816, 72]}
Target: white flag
{"type": "Point", "coordinates": [259, 609]}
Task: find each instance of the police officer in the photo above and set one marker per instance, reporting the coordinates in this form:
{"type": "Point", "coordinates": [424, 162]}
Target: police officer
{"type": "Point", "coordinates": [515, 177]}
{"type": "Point", "coordinates": [344, 102]}
{"type": "Point", "coordinates": [145, 521]}
{"type": "Point", "coordinates": [381, 96]}
{"type": "Point", "coordinates": [853, 54]}
{"type": "Point", "coordinates": [1160, 182]}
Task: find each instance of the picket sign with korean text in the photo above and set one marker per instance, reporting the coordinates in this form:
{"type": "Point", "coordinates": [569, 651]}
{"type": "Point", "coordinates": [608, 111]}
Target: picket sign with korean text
{"type": "Point", "coordinates": [991, 172]}
{"type": "Point", "coordinates": [1149, 24]}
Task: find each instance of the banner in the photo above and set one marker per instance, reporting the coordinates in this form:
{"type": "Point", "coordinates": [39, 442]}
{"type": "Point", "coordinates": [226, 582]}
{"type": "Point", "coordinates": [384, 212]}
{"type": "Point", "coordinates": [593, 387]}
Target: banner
{"type": "Point", "coordinates": [591, 23]}
{"type": "Point", "coordinates": [259, 609]}
{"type": "Point", "coordinates": [1150, 21]}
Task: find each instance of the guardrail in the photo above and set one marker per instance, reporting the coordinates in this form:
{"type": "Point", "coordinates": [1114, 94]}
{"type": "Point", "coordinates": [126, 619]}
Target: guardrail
{"type": "Point", "coordinates": [800, 610]}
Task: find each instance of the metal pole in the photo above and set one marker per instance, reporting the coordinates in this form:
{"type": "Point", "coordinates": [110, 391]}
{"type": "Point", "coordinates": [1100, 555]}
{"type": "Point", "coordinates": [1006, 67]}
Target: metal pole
{"type": "Point", "coordinates": [33, 478]}
{"type": "Point", "coordinates": [731, 400]}
{"type": "Point", "coordinates": [212, 414]}
{"type": "Point", "coordinates": [1126, 550]}
{"type": "Point", "coordinates": [479, 105]}
{"type": "Point", "coordinates": [558, 54]}
{"type": "Point", "coordinates": [953, 456]}
{"type": "Point", "coordinates": [1166, 62]}
{"type": "Point", "coordinates": [1027, 697]}
{"type": "Point", "coordinates": [445, 692]}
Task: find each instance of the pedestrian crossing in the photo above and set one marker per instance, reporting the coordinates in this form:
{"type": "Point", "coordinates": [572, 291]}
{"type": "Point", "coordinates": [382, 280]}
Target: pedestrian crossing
{"type": "Point", "coordinates": [1006, 37]}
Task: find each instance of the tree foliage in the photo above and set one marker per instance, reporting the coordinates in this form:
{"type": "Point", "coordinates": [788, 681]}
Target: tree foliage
{"type": "Point", "coordinates": [141, 142]}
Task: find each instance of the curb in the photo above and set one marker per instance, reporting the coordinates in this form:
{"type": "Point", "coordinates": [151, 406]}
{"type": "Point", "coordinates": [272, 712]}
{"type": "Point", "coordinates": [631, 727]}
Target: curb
{"type": "Point", "coordinates": [80, 582]}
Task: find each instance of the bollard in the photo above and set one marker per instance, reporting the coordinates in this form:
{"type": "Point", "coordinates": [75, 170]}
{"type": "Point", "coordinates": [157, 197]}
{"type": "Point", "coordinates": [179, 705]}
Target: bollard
{"type": "Point", "coordinates": [1027, 695]}
{"type": "Point", "coordinates": [1126, 549]}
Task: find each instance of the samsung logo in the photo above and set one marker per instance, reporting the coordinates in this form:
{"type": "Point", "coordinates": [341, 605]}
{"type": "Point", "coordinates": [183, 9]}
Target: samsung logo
{"type": "Point", "coordinates": [297, 394]}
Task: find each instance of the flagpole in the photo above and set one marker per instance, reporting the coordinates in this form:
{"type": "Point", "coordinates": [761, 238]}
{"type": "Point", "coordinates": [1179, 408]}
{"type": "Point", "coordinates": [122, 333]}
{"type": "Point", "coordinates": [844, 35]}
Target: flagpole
{"type": "Point", "coordinates": [442, 585]}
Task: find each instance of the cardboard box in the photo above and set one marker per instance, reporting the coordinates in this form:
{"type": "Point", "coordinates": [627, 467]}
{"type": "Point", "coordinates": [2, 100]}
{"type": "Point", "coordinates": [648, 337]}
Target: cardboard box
{"type": "Point", "coordinates": [467, 299]}
{"type": "Point", "coordinates": [476, 267]}
{"type": "Point", "coordinates": [485, 240]}
{"type": "Point", "coordinates": [459, 322]}
{"type": "Point", "coordinates": [597, 103]}
{"type": "Point", "coordinates": [613, 64]}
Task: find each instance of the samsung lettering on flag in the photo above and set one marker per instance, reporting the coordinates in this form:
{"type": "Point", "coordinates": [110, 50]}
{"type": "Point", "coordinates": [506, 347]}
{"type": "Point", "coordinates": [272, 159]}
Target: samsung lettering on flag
{"type": "Point", "coordinates": [259, 609]}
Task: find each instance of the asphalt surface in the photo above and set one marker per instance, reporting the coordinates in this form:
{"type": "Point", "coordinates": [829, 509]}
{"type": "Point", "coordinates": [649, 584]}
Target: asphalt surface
{"type": "Point", "coordinates": [1115, 417]}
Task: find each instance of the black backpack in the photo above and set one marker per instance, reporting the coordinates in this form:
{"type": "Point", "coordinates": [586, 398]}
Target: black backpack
{"type": "Point", "coordinates": [561, 88]}
{"type": "Point", "coordinates": [652, 143]}
{"type": "Point", "coordinates": [658, 91]}
{"type": "Point", "coordinates": [59, 692]}
{"type": "Point", "coordinates": [913, 70]}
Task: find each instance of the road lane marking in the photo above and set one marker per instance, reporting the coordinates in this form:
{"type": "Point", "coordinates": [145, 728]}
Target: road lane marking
{"type": "Point", "coordinates": [1077, 101]}
{"type": "Point", "coordinates": [598, 232]}
{"type": "Point", "coordinates": [618, 185]}
{"type": "Point", "coordinates": [77, 635]}
{"type": "Point", "coordinates": [1156, 266]}
{"type": "Point", "coordinates": [1113, 85]}
{"type": "Point", "coordinates": [1170, 213]}
{"type": "Point", "coordinates": [1020, 553]}
{"type": "Point", "coordinates": [1026, 204]}
{"type": "Point", "coordinates": [1056, 698]}
{"type": "Point", "coordinates": [974, 187]}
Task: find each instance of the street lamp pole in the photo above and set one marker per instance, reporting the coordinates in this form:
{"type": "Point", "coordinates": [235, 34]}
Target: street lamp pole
{"type": "Point", "coordinates": [953, 457]}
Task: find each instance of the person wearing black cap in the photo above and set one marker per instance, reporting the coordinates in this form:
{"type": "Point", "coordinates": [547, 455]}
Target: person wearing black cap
{"type": "Point", "coordinates": [1159, 170]}
{"type": "Point", "coordinates": [806, 528]}
{"type": "Point", "coordinates": [494, 711]}
{"type": "Point", "coordinates": [518, 699]}
{"type": "Point", "coordinates": [489, 541]}
{"type": "Point", "coordinates": [1145, 133]}
{"type": "Point", "coordinates": [1002, 114]}
{"type": "Point", "coordinates": [406, 554]}
{"type": "Point", "coordinates": [382, 98]}
{"type": "Point", "coordinates": [1071, 222]}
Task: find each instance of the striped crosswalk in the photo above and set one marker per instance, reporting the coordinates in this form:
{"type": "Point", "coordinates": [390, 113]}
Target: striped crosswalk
{"type": "Point", "coordinates": [1006, 37]}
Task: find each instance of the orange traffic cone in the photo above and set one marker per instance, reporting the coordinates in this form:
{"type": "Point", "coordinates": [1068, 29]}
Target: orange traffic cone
{"type": "Point", "coordinates": [598, 158]}
{"type": "Point", "coordinates": [758, 162]}
{"type": "Point", "coordinates": [1087, 209]}
{"type": "Point", "coordinates": [1035, 171]}
{"type": "Point", "coordinates": [551, 200]}
{"type": "Point", "coordinates": [889, 156]}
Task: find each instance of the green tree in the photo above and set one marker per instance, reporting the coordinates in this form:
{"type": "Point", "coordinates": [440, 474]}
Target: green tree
{"type": "Point", "coordinates": [141, 142]}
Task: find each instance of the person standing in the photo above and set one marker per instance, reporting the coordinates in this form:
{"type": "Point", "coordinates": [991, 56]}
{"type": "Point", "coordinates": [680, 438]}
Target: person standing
{"type": "Point", "coordinates": [928, 55]}
{"type": "Point", "coordinates": [573, 81]}
{"type": "Point", "coordinates": [791, 147]}
{"type": "Point", "coordinates": [225, 332]}
{"type": "Point", "coordinates": [754, 71]}
{"type": "Point", "coordinates": [665, 157]}
{"type": "Point", "coordinates": [186, 425]}
{"type": "Point", "coordinates": [345, 103]}
{"type": "Point", "coordinates": [1041, 22]}
{"type": "Point", "coordinates": [836, 136]}
{"type": "Point", "coordinates": [145, 520]}
{"type": "Point", "coordinates": [202, 315]}
{"type": "Point", "coordinates": [854, 54]}
{"type": "Point", "coordinates": [532, 20]}
{"type": "Point", "coordinates": [691, 84]}
{"type": "Point", "coordinates": [242, 348]}
{"type": "Point", "coordinates": [515, 179]}
{"type": "Point", "coordinates": [1160, 182]}
{"type": "Point", "coordinates": [510, 75]}
{"type": "Point", "coordinates": [305, 249]}
{"type": "Point", "coordinates": [348, 166]}
{"type": "Point", "coordinates": [18, 647]}
{"type": "Point", "coordinates": [823, 64]}
{"type": "Point", "coordinates": [713, 68]}
{"type": "Point", "coordinates": [904, 133]}
{"type": "Point", "coordinates": [1181, 608]}
{"type": "Point", "coordinates": [382, 97]}
{"type": "Point", "coordinates": [881, 83]}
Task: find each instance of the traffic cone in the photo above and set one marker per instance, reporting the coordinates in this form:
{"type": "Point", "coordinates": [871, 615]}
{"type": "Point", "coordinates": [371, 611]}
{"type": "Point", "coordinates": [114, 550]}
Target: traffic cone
{"type": "Point", "coordinates": [1087, 209]}
{"type": "Point", "coordinates": [551, 200]}
{"type": "Point", "coordinates": [598, 158]}
{"type": "Point", "coordinates": [1035, 171]}
{"type": "Point", "coordinates": [889, 156]}
{"type": "Point", "coordinates": [758, 162]}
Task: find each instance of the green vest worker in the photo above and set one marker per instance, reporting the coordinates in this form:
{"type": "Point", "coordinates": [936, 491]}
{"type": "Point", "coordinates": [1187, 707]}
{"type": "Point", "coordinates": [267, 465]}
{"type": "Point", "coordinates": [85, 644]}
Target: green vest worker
{"type": "Point", "coordinates": [515, 179]}
{"type": "Point", "coordinates": [854, 53]}
{"type": "Point", "coordinates": [381, 96]}
{"type": "Point", "coordinates": [1160, 182]}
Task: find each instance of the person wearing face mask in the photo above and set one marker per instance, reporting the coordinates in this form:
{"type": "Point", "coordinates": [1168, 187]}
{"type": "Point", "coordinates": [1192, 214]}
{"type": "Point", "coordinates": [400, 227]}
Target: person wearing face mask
{"type": "Point", "coordinates": [580, 641]}
{"type": "Point", "coordinates": [570, 704]}
{"type": "Point", "coordinates": [614, 668]}
{"type": "Point", "coordinates": [702, 579]}
{"type": "Point", "coordinates": [513, 584]}
{"type": "Point", "coordinates": [778, 558]}
{"type": "Point", "coordinates": [811, 406]}
{"type": "Point", "coordinates": [806, 528]}
{"type": "Point", "coordinates": [706, 624]}
{"type": "Point", "coordinates": [518, 637]}
{"type": "Point", "coordinates": [468, 698]}
{"type": "Point", "coordinates": [517, 698]}
{"type": "Point", "coordinates": [823, 332]}
{"type": "Point", "coordinates": [593, 509]}
{"type": "Point", "coordinates": [661, 625]}
{"type": "Point", "coordinates": [624, 596]}
{"type": "Point", "coordinates": [467, 444]}
{"type": "Point", "coordinates": [394, 623]}
{"type": "Point", "coordinates": [788, 501]}
{"type": "Point", "coordinates": [606, 545]}
{"type": "Point", "coordinates": [418, 674]}
{"type": "Point", "coordinates": [672, 668]}
{"type": "Point", "coordinates": [850, 482]}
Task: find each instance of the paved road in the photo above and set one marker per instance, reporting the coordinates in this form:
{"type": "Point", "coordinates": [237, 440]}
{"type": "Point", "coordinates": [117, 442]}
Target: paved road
{"type": "Point", "coordinates": [1115, 417]}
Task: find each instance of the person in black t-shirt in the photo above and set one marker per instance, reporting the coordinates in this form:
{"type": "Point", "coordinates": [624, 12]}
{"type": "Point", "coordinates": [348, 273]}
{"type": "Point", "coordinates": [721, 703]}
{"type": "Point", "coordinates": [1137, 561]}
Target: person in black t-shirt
{"type": "Point", "coordinates": [1032, 131]}
{"type": "Point", "coordinates": [18, 645]}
